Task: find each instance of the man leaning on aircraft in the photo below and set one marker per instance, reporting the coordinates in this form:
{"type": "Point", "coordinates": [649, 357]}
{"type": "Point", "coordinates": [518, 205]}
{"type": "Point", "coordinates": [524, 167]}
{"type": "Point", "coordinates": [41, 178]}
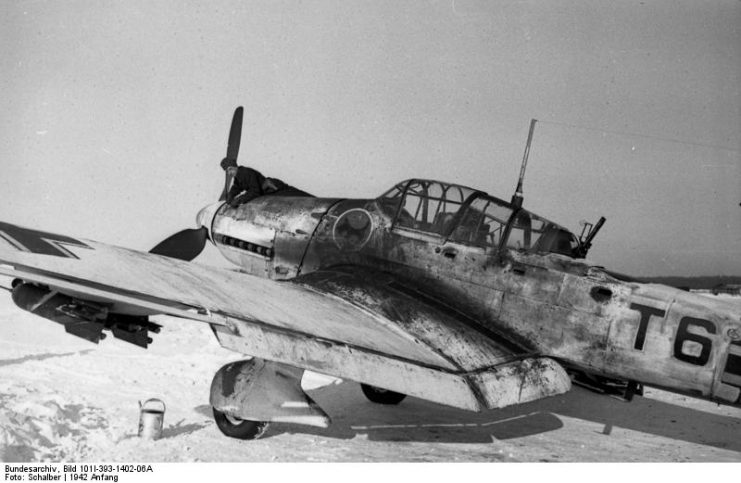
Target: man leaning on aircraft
{"type": "Point", "coordinates": [248, 184]}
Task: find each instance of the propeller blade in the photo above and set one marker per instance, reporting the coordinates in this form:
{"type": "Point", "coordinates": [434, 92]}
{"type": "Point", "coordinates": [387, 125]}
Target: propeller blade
{"type": "Point", "coordinates": [223, 192]}
{"type": "Point", "coordinates": [235, 134]}
{"type": "Point", "coordinates": [227, 181]}
{"type": "Point", "coordinates": [232, 148]}
{"type": "Point", "coordinates": [183, 245]}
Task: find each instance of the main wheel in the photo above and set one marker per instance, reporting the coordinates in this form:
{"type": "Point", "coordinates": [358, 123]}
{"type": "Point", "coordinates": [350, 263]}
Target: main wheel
{"type": "Point", "coordinates": [239, 428]}
{"type": "Point", "coordinates": [382, 396]}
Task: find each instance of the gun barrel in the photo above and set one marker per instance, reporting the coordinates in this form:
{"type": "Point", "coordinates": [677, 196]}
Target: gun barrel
{"type": "Point", "coordinates": [586, 244]}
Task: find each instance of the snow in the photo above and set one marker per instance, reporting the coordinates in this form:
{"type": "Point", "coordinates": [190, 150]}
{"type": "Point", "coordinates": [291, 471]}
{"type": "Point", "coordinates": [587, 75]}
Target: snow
{"type": "Point", "coordinates": [65, 399]}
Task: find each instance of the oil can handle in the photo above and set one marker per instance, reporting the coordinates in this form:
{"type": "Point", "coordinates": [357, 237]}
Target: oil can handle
{"type": "Point", "coordinates": [145, 407]}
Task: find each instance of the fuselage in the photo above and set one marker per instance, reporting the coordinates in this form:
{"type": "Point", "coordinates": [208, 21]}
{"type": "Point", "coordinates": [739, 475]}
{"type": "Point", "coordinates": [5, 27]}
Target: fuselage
{"type": "Point", "coordinates": [517, 280]}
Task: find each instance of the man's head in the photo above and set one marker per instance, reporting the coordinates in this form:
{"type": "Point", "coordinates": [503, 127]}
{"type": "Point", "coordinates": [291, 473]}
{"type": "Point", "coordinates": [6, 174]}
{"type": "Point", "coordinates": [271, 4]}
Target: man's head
{"type": "Point", "coordinates": [227, 163]}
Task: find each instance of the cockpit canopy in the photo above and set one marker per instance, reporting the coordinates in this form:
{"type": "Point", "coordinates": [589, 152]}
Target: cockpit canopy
{"type": "Point", "coordinates": [471, 217]}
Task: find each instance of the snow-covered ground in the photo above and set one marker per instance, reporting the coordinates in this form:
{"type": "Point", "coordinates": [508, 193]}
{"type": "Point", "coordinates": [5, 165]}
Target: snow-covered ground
{"type": "Point", "coordinates": [65, 399]}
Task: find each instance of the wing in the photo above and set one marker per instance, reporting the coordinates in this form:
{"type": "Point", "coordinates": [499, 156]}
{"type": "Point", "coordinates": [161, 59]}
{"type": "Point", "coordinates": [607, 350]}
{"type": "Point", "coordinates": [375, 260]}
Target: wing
{"type": "Point", "coordinates": [354, 324]}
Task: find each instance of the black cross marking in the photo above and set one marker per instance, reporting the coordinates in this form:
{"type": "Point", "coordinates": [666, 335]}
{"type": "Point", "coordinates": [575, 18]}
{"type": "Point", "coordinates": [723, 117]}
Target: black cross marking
{"type": "Point", "coordinates": [40, 242]}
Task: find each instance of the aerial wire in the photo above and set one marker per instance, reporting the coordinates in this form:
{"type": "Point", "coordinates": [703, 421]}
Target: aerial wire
{"type": "Point", "coordinates": [646, 136]}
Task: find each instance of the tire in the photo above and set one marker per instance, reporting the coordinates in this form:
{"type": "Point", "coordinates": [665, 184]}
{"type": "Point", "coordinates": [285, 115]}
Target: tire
{"type": "Point", "coordinates": [239, 428]}
{"type": "Point", "coordinates": [382, 396]}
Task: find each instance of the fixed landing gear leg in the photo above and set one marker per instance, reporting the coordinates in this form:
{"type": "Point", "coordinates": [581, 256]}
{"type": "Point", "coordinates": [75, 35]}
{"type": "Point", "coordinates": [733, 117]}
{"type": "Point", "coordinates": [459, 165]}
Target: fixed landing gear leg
{"type": "Point", "coordinates": [247, 395]}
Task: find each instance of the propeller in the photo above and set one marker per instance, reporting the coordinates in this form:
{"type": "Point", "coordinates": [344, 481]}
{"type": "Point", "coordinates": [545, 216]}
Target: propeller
{"type": "Point", "coordinates": [183, 245]}
{"type": "Point", "coordinates": [189, 243]}
{"type": "Point", "coordinates": [232, 148]}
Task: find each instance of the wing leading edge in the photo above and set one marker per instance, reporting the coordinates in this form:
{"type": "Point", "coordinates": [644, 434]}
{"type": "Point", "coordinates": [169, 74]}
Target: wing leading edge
{"type": "Point", "coordinates": [361, 326]}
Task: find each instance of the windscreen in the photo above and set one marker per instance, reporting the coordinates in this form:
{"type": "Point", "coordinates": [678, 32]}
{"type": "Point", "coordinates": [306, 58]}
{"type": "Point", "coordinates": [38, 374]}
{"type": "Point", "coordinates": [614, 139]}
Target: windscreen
{"type": "Point", "coordinates": [424, 205]}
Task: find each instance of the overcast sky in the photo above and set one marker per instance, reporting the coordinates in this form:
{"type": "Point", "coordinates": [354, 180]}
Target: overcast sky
{"type": "Point", "coordinates": [116, 114]}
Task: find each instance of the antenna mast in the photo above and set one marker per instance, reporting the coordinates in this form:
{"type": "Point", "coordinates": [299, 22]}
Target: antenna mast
{"type": "Point", "coordinates": [517, 197]}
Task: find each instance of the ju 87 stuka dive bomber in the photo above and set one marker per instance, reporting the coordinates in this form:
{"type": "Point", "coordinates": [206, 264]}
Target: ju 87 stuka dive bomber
{"type": "Point", "coordinates": [432, 290]}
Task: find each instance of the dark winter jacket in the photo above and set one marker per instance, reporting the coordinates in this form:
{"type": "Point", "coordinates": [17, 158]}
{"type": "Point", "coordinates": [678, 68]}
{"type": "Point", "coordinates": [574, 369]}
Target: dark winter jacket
{"type": "Point", "coordinates": [248, 180]}
{"type": "Point", "coordinates": [249, 183]}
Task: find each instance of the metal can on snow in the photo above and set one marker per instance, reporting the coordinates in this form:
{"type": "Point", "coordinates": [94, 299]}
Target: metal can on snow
{"type": "Point", "coordinates": [151, 418]}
